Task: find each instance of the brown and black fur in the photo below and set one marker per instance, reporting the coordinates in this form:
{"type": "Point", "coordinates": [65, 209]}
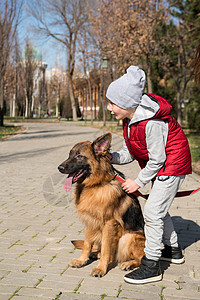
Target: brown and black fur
{"type": "Point", "coordinates": [113, 220]}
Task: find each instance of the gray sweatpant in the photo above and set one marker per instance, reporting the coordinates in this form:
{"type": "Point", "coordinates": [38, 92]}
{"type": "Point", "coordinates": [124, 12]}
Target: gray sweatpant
{"type": "Point", "coordinates": [158, 223]}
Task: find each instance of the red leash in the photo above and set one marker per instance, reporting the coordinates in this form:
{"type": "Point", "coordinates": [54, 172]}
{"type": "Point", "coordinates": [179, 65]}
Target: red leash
{"type": "Point", "coordinates": [179, 194]}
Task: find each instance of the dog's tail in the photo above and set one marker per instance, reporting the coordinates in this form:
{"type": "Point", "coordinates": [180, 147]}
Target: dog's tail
{"type": "Point", "coordinates": [78, 244]}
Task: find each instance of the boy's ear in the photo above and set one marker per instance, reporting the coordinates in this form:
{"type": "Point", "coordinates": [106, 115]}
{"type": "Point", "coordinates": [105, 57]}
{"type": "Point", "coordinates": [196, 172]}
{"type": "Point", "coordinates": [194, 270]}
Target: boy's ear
{"type": "Point", "coordinates": [102, 144]}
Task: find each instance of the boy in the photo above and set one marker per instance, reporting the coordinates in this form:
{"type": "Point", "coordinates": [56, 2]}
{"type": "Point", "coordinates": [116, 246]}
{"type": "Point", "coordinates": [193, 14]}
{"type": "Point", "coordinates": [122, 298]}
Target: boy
{"type": "Point", "coordinates": [155, 139]}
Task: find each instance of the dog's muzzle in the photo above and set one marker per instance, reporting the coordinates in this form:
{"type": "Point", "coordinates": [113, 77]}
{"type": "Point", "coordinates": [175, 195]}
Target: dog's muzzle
{"type": "Point", "coordinates": [61, 169]}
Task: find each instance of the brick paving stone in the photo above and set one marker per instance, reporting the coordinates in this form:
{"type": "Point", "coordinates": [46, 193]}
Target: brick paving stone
{"type": "Point", "coordinates": [20, 279]}
{"type": "Point", "coordinates": [68, 286]}
{"type": "Point", "coordinates": [182, 290]}
{"type": "Point", "coordinates": [29, 297]}
{"type": "Point", "coordinates": [107, 287]}
{"type": "Point", "coordinates": [78, 296]}
{"type": "Point", "coordinates": [35, 232]}
{"type": "Point", "coordinates": [37, 292]}
{"type": "Point", "coordinates": [6, 291]}
{"type": "Point", "coordinates": [148, 291]}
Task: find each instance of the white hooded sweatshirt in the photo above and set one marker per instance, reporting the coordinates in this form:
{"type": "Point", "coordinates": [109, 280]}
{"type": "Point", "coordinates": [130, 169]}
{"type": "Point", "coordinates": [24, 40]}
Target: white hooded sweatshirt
{"type": "Point", "coordinates": [156, 138]}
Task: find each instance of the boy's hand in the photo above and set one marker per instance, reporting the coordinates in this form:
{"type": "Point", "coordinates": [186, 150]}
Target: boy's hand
{"type": "Point", "coordinates": [130, 186]}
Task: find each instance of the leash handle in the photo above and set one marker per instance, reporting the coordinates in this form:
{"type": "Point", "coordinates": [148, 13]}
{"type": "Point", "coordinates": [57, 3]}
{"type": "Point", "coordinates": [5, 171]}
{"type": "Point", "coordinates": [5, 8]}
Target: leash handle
{"type": "Point", "coordinates": [137, 193]}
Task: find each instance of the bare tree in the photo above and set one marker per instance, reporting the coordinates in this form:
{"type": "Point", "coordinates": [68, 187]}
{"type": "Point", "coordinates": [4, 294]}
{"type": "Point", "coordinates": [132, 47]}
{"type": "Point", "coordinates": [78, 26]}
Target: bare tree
{"type": "Point", "coordinates": [30, 64]}
{"type": "Point", "coordinates": [62, 20]}
{"type": "Point", "coordinates": [9, 87]}
{"type": "Point", "coordinates": [196, 64]}
{"type": "Point", "coordinates": [18, 69]}
{"type": "Point", "coordinates": [149, 14]}
{"type": "Point", "coordinates": [10, 12]}
{"type": "Point", "coordinates": [87, 58]}
{"type": "Point", "coordinates": [176, 59]}
{"type": "Point", "coordinates": [125, 32]}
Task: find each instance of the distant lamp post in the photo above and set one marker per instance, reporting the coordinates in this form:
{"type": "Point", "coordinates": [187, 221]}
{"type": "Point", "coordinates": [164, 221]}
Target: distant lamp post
{"type": "Point", "coordinates": [44, 67]}
{"type": "Point", "coordinates": [104, 68]}
{"type": "Point", "coordinates": [56, 92]}
{"type": "Point", "coordinates": [58, 105]}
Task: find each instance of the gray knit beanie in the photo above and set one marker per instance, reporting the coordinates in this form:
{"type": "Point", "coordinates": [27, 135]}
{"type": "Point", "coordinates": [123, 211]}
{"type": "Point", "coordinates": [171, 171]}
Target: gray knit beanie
{"type": "Point", "coordinates": [126, 91]}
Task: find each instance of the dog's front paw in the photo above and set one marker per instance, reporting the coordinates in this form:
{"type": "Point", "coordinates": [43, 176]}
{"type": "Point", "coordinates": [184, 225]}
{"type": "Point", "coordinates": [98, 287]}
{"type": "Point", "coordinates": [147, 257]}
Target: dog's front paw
{"type": "Point", "coordinates": [77, 263]}
{"type": "Point", "coordinates": [97, 272]}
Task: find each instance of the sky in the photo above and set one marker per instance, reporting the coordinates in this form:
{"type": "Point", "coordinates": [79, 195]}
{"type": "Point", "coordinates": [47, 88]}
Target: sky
{"type": "Point", "coordinates": [52, 53]}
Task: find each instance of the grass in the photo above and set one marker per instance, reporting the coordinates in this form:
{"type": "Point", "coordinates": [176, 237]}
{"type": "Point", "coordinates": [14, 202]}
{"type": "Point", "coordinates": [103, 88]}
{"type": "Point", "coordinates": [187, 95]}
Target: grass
{"type": "Point", "coordinates": [194, 142]}
{"type": "Point", "coordinates": [8, 130]}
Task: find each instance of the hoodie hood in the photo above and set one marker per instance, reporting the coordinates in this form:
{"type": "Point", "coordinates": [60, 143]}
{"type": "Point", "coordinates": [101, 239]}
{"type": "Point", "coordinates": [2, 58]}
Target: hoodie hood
{"type": "Point", "coordinates": [147, 109]}
{"type": "Point", "coordinates": [152, 107]}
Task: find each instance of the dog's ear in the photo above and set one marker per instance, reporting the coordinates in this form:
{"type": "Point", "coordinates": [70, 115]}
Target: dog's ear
{"type": "Point", "coordinates": [102, 144]}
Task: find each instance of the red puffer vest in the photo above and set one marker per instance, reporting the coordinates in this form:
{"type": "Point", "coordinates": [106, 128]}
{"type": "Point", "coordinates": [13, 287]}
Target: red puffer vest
{"type": "Point", "coordinates": [178, 158]}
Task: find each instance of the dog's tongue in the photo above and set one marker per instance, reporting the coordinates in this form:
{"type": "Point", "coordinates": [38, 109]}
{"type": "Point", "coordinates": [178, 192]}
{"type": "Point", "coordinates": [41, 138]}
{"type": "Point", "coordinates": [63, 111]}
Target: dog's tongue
{"type": "Point", "coordinates": [68, 183]}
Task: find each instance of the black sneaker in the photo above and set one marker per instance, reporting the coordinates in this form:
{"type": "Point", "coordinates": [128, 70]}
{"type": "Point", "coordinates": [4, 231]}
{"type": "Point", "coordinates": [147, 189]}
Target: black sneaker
{"type": "Point", "coordinates": [172, 254]}
{"type": "Point", "coordinates": [149, 271]}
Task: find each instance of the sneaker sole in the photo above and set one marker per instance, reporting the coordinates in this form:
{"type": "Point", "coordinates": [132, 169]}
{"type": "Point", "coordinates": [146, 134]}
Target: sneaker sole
{"type": "Point", "coordinates": [142, 281]}
{"type": "Point", "coordinates": [173, 260]}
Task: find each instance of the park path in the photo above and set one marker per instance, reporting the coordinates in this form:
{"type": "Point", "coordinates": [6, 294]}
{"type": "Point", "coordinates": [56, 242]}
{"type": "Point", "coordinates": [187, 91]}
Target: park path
{"type": "Point", "coordinates": [38, 221]}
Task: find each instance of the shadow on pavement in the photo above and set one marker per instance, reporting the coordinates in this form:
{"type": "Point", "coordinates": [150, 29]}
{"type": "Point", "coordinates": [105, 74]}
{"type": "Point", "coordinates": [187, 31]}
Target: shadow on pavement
{"type": "Point", "coordinates": [45, 135]}
{"type": "Point", "coordinates": [188, 231]}
{"type": "Point", "coordinates": [27, 154]}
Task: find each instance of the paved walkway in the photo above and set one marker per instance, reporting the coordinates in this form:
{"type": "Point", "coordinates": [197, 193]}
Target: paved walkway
{"type": "Point", "coordinates": [38, 222]}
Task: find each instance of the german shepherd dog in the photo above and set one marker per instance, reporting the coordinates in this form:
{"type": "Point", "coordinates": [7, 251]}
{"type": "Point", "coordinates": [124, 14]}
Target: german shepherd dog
{"type": "Point", "coordinates": [113, 219]}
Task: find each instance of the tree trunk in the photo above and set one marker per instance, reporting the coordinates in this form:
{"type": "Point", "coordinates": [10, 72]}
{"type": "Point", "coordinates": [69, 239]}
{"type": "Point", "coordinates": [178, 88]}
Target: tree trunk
{"type": "Point", "coordinates": [179, 110]}
{"type": "Point", "coordinates": [86, 105]}
{"type": "Point", "coordinates": [57, 106]}
{"type": "Point", "coordinates": [104, 109]}
{"type": "Point", "coordinates": [32, 105]}
{"type": "Point", "coordinates": [102, 98]}
{"type": "Point", "coordinates": [71, 94]}
{"type": "Point", "coordinates": [1, 101]}
{"type": "Point", "coordinates": [1, 117]}
{"type": "Point", "coordinates": [90, 97]}
{"type": "Point", "coordinates": [26, 109]}
{"type": "Point", "coordinates": [13, 105]}
{"type": "Point", "coordinates": [149, 82]}
{"type": "Point", "coordinates": [29, 107]}
{"type": "Point", "coordinates": [95, 102]}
